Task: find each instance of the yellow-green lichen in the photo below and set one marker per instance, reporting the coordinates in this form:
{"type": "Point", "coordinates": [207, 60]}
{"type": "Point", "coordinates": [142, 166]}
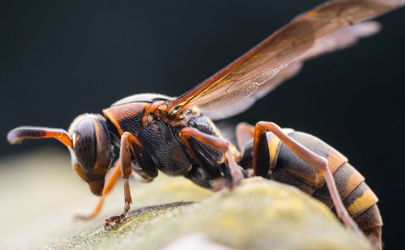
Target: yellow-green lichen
{"type": "Point", "coordinates": [260, 214]}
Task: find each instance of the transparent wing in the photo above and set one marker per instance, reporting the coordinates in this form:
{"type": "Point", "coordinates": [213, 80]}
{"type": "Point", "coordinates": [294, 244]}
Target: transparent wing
{"type": "Point", "coordinates": [334, 41]}
{"type": "Point", "coordinates": [248, 73]}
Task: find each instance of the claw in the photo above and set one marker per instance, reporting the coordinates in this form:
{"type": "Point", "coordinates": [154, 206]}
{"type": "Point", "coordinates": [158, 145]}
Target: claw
{"type": "Point", "coordinates": [222, 183]}
{"type": "Point", "coordinates": [113, 221]}
{"type": "Point", "coordinates": [81, 217]}
{"type": "Point", "coordinates": [219, 184]}
{"type": "Point", "coordinates": [237, 179]}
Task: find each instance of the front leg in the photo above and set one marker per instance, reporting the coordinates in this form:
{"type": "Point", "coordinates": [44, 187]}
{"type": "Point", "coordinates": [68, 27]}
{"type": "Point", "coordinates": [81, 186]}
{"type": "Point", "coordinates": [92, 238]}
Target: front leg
{"type": "Point", "coordinates": [110, 183]}
{"type": "Point", "coordinates": [127, 139]}
{"type": "Point", "coordinates": [221, 145]}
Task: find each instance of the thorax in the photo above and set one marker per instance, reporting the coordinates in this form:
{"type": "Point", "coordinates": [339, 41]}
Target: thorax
{"type": "Point", "coordinates": [160, 134]}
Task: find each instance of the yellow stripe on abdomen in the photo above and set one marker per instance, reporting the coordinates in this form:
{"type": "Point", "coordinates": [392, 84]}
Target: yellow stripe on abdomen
{"type": "Point", "coordinates": [361, 199]}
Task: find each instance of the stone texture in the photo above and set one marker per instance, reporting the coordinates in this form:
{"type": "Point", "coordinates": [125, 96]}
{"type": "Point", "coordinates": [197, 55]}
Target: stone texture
{"type": "Point", "coordinates": [41, 195]}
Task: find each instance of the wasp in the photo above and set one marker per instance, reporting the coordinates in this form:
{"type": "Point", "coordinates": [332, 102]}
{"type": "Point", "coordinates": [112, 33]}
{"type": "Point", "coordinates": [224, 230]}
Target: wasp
{"type": "Point", "coordinates": [146, 133]}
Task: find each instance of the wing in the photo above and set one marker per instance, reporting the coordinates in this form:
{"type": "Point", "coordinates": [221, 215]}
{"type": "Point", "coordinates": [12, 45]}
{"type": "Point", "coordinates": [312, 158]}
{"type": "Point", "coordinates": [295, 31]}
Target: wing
{"type": "Point", "coordinates": [248, 73]}
{"type": "Point", "coordinates": [338, 40]}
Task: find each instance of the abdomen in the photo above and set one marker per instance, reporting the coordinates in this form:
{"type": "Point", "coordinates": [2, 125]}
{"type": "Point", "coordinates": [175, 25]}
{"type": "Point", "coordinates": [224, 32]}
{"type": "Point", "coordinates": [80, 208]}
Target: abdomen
{"type": "Point", "coordinates": [359, 199]}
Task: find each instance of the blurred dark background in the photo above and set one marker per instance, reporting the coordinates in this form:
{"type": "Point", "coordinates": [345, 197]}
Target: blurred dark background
{"type": "Point", "coordinates": [60, 59]}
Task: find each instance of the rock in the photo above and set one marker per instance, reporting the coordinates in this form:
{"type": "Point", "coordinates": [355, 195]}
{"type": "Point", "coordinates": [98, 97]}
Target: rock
{"type": "Point", "coordinates": [172, 213]}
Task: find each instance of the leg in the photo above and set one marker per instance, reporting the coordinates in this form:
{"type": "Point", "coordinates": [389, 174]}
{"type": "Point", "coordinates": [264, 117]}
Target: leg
{"type": "Point", "coordinates": [374, 235]}
{"type": "Point", "coordinates": [221, 145]}
{"type": "Point", "coordinates": [199, 176]}
{"type": "Point", "coordinates": [127, 139]}
{"type": "Point", "coordinates": [110, 183]}
{"type": "Point", "coordinates": [318, 162]}
{"type": "Point", "coordinates": [244, 132]}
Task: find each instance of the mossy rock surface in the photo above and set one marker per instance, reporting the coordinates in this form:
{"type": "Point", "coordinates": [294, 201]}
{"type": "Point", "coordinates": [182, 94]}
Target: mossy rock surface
{"type": "Point", "coordinates": [42, 195]}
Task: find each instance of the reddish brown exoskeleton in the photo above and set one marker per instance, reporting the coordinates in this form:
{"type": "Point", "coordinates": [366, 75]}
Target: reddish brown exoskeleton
{"type": "Point", "coordinates": [145, 133]}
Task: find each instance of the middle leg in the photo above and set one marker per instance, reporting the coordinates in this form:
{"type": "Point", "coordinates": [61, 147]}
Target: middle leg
{"type": "Point", "coordinates": [221, 145]}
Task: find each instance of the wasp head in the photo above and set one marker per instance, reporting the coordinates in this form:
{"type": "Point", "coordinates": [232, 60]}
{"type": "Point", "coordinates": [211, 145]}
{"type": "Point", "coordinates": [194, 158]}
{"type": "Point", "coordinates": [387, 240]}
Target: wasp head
{"type": "Point", "coordinates": [88, 141]}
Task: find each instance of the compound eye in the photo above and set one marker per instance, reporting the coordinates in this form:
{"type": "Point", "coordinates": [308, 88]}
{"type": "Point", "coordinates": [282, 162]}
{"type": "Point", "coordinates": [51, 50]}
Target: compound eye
{"type": "Point", "coordinates": [85, 143]}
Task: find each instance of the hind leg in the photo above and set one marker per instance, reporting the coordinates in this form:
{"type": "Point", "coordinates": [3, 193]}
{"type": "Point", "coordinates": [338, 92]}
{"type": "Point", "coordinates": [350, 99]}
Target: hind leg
{"type": "Point", "coordinates": [374, 235]}
{"type": "Point", "coordinates": [316, 161]}
{"type": "Point", "coordinates": [244, 133]}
